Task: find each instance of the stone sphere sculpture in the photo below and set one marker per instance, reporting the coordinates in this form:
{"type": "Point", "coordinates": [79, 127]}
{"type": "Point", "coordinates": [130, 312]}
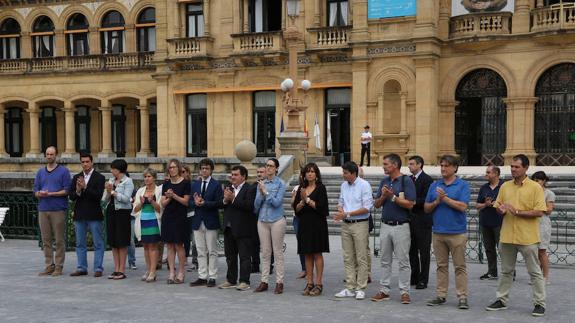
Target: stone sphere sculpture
{"type": "Point", "coordinates": [246, 151]}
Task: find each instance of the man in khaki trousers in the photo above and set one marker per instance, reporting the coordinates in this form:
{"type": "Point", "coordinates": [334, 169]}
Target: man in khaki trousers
{"type": "Point", "coordinates": [51, 189]}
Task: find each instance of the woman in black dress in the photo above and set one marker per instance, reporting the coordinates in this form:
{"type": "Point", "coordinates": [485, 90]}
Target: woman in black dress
{"type": "Point", "coordinates": [311, 206]}
{"type": "Point", "coordinates": [175, 196]}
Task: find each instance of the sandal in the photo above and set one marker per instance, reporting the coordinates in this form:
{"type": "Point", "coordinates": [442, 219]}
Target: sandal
{"type": "Point", "coordinates": [145, 277]}
{"type": "Point", "coordinates": [151, 278]}
{"type": "Point", "coordinates": [179, 280]}
{"type": "Point", "coordinates": [171, 280]}
{"type": "Point", "coordinates": [113, 275]}
{"type": "Point", "coordinates": [316, 291]}
{"type": "Point", "coordinates": [120, 276]}
{"type": "Point", "coordinates": [308, 288]}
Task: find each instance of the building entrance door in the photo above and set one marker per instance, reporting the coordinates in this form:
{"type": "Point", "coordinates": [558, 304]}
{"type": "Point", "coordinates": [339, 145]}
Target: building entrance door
{"type": "Point", "coordinates": [480, 118]}
{"type": "Point", "coordinates": [339, 126]}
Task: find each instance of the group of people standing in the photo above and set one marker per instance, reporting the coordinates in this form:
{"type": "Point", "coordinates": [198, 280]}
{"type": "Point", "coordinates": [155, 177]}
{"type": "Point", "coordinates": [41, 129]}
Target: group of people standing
{"type": "Point", "coordinates": [417, 213]}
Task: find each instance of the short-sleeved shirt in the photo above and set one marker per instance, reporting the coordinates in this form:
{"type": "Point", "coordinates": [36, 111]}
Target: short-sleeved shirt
{"type": "Point", "coordinates": [528, 196]}
{"type": "Point", "coordinates": [488, 216]}
{"type": "Point", "coordinates": [391, 211]}
{"type": "Point", "coordinates": [445, 218]}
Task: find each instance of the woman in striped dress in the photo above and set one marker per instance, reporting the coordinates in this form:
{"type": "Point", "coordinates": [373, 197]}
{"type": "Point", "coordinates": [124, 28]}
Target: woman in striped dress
{"type": "Point", "coordinates": [148, 219]}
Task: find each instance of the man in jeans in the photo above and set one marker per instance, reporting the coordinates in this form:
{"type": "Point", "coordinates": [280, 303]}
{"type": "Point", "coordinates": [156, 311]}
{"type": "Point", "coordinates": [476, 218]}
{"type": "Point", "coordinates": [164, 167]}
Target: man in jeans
{"type": "Point", "coordinates": [86, 191]}
{"type": "Point", "coordinates": [355, 202]}
{"type": "Point", "coordinates": [396, 194]}
{"type": "Point", "coordinates": [51, 187]}
{"type": "Point", "coordinates": [447, 200]}
{"type": "Point", "coordinates": [489, 220]}
{"type": "Point", "coordinates": [521, 202]}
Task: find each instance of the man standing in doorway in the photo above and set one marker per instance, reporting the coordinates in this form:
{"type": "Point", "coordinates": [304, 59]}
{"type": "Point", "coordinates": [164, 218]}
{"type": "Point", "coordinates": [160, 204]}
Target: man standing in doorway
{"type": "Point", "coordinates": [365, 139]}
{"type": "Point", "coordinates": [521, 202]}
{"type": "Point", "coordinates": [489, 219]}
{"type": "Point", "coordinates": [51, 189]}
{"type": "Point", "coordinates": [86, 191]}
{"type": "Point", "coordinates": [420, 226]}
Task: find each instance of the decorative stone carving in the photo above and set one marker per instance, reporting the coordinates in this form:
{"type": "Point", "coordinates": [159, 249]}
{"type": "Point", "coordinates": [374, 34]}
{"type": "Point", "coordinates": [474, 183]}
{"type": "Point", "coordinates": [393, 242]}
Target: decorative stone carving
{"type": "Point", "coordinates": [93, 6]}
{"type": "Point", "coordinates": [24, 12]}
{"type": "Point", "coordinates": [58, 9]}
{"type": "Point", "coordinates": [403, 48]}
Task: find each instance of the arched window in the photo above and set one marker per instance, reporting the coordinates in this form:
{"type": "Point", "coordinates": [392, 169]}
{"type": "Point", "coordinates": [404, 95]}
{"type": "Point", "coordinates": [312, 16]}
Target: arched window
{"type": "Point", "coordinates": [264, 122]}
{"type": "Point", "coordinates": [82, 129]}
{"type": "Point", "coordinates": [13, 131]}
{"type": "Point", "coordinates": [146, 29]}
{"type": "Point", "coordinates": [9, 39]}
{"type": "Point", "coordinates": [112, 33]}
{"type": "Point", "coordinates": [43, 37]}
{"type": "Point", "coordinates": [77, 35]}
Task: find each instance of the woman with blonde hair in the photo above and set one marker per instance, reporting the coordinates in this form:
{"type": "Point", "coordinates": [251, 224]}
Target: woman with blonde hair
{"type": "Point", "coordinates": [148, 221]}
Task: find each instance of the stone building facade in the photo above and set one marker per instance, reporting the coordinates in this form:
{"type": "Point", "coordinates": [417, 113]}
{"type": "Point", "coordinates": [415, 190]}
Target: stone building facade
{"type": "Point", "coordinates": [141, 78]}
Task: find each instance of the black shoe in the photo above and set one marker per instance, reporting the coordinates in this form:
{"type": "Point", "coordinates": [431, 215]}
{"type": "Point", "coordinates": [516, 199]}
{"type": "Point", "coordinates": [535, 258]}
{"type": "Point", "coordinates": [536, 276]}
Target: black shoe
{"type": "Point", "coordinates": [488, 276]}
{"type": "Point", "coordinates": [436, 301]}
{"type": "Point", "coordinates": [421, 285]}
{"type": "Point", "coordinates": [211, 283]}
{"type": "Point", "coordinates": [462, 305]}
{"type": "Point", "coordinates": [538, 311]}
{"type": "Point", "coordinates": [198, 282]}
{"type": "Point", "coordinates": [497, 306]}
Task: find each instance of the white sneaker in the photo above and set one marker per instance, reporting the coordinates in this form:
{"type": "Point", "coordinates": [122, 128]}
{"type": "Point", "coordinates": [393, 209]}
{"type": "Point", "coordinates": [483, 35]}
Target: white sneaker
{"type": "Point", "coordinates": [345, 293]}
{"type": "Point", "coordinates": [359, 295]}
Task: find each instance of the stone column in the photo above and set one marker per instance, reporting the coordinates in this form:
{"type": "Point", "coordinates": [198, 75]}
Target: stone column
{"type": "Point", "coordinates": [26, 45]}
{"type": "Point", "coordinates": [33, 112]}
{"type": "Point", "coordinates": [520, 128]}
{"type": "Point", "coordinates": [426, 110]}
{"type": "Point", "coordinates": [3, 153]}
{"type": "Point", "coordinates": [403, 96]}
{"type": "Point", "coordinates": [317, 13]}
{"type": "Point", "coordinates": [93, 41]}
{"type": "Point", "coordinates": [144, 129]}
{"type": "Point", "coordinates": [70, 151]}
{"type": "Point", "coordinates": [444, 14]}
{"type": "Point", "coordinates": [446, 129]}
{"type": "Point", "coordinates": [207, 18]}
{"type": "Point", "coordinates": [246, 20]}
{"type": "Point", "coordinates": [130, 39]}
{"type": "Point", "coordinates": [59, 43]}
{"type": "Point", "coordinates": [359, 106]}
{"type": "Point", "coordinates": [522, 17]}
{"type": "Point", "coordinates": [163, 112]}
{"type": "Point", "coordinates": [106, 111]}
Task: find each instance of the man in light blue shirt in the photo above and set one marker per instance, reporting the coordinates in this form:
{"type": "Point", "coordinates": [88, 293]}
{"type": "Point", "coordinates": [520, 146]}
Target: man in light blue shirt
{"type": "Point", "coordinates": [355, 202]}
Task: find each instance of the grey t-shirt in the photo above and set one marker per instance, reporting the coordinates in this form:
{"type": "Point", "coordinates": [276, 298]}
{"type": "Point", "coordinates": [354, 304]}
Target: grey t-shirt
{"type": "Point", "coordinates": [545, 219]}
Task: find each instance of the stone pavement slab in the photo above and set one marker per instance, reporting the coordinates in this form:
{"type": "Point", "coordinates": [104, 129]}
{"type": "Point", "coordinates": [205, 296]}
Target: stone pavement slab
{"type": "Point", "coordinates": [25, 297]}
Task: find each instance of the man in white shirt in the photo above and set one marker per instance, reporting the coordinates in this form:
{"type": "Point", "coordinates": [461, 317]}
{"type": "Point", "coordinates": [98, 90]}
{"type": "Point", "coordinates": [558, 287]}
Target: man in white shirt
{"type": "Point", "coordinates": [365, 145]}
{"type": "Point", "coordinates": [355, 202]}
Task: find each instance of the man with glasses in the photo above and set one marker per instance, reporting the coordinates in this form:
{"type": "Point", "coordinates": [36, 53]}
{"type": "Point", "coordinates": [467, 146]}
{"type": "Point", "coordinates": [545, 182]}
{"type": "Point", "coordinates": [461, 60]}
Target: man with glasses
{"type": "Point", "coordinates": [207, 193]}
{"type": "Point", "coordinates": [447, 200]}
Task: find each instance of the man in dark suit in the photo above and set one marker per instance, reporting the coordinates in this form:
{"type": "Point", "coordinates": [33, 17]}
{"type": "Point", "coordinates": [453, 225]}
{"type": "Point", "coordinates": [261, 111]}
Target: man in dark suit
{"type": "Point", "coordinates": [240, 227]}
{"type": "Point", "coordinates": [207, 193]}
{"type": "Point", "coordinates": [86, 191]}
{"type": "Point", "coordinates": [420, 250]}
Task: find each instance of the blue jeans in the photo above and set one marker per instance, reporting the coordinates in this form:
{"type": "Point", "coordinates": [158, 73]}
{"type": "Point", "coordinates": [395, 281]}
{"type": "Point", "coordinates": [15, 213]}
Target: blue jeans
{"type": "Point", "coordinates": [132, 247]}
{"type": "Point", "coordinates": [97, 230]}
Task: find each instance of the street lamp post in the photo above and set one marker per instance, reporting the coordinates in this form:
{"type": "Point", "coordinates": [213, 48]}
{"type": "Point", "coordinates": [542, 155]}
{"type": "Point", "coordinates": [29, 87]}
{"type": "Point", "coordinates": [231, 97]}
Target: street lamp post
{"type": "Point", "coordinates": [294, 140]}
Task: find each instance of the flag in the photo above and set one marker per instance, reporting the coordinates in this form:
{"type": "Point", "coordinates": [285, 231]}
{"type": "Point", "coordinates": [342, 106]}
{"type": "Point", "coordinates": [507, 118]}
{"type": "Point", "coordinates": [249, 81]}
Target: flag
{"type": "Point", "coordinates": [282, 129]}
{"type": "Point", "coordinates": [328, 131]}
{"type": "Point", "coordinates": [305, 127]}
{"type": "Point", "coordinates": [316, 134]}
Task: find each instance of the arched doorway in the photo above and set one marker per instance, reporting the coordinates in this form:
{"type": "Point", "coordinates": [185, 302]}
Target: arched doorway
{"type": "Point", "coordinates": [555, 116]}
{"type": "Point", "coordinates": [480, 118]}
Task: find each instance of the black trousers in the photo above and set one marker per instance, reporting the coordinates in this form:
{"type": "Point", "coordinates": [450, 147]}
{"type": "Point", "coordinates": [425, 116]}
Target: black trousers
{"type": "Point", "coordinates": [490, 242]}
{"type": "Point", "coordinates": [420, 250]}
{"type": "Point", "coordinates": [234, 248]}
{"type": "Point", "coordinates": [365, 148]}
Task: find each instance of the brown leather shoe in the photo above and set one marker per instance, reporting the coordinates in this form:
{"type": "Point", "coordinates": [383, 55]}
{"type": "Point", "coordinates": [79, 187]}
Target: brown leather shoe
{"type": "Point", "coordinates": [48, 270]}
{"type": "Point", "coordinates": [98, 274]}
{"type": "Point", "coordinates": [381, 296]}
{"type": "Point", "coordinates": [78, 273]}
{"type": "Point", "coordinates": [57, 271]}
{"type": "Point", "coordinates": [405, 298]}
{"type": "Point", "coordinates": [279, 288]}
{"type": "Point", "coordinates": [261, 288]}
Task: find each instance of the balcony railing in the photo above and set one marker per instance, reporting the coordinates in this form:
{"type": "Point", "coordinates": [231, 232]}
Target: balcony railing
{"type": "Point", "coordinates": [480, 24]}
{"type": "Point", "coordinates": [555, 17]}
{"type": "Point", "coordinates": [258, 42]}
{"type": "Point", "coordinates": [77, 63]}
{"type": "Point", "coordinates": [329, 37]}
{"type": "Point", "coordinates": [190, 47]}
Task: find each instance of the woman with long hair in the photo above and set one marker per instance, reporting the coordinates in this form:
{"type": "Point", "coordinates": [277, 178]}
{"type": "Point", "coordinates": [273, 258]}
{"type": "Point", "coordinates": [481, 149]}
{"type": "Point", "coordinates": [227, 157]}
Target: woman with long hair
{"type": "Point", "coordinates": [148, 221]}
{"type": "Point", "coordinates": [175, 197]}
{"type": "Point", "coordinates": [311, 206]}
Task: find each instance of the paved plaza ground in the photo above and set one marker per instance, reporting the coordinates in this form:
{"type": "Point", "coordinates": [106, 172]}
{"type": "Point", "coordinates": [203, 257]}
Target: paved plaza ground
{"type": "Point", "coordinates": [25, 297]}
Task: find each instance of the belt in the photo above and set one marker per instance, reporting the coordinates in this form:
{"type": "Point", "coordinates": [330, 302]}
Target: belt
{"type": "Point", "coordinates": [355, 221]}
{"type": "Point", "coordinates": [394, 223]}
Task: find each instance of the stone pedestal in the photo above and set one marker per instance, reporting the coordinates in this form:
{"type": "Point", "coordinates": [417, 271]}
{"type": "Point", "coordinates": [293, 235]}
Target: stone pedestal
{"type": "Point", "coordinates": [295, 144]}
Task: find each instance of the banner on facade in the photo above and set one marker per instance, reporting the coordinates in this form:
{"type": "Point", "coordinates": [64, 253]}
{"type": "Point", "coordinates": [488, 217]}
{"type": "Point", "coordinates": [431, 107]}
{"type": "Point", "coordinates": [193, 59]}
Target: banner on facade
{"type": "Point", "coordinates": [463, 7]}
{"type": "Point", "coordinates": [390, 8]}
